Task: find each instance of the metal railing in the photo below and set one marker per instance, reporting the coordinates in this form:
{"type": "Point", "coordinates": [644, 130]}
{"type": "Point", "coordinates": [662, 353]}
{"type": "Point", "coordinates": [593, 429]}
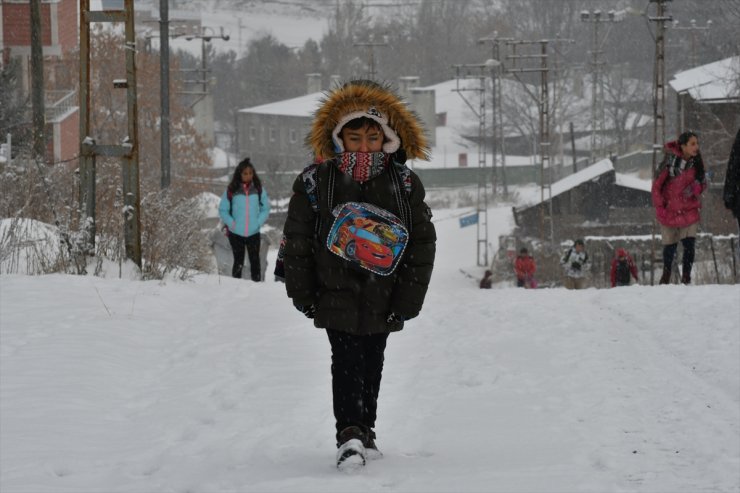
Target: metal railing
{"type": "Point", "coordinates": [59, 103]}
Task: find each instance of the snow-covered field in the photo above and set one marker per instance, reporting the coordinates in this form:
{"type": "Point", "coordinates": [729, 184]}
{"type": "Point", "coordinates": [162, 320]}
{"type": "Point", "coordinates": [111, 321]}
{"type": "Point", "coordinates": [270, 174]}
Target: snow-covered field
{"type": "Point", "coordinates": [218, 385]}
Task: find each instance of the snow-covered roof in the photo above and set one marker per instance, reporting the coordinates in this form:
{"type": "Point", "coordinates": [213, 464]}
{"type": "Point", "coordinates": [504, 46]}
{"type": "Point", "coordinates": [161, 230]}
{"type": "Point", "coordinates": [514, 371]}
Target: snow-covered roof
{"type": "Point", "coordinates": [713, 81]}
{"type": "Point", "coordinates": [301, 106]}
{"type": "Point", "coordinates": [569, 182]}
{"type": "Point", "coordinates": [572, 181]}
{"type": "Point", "coordinates": [634, 182]}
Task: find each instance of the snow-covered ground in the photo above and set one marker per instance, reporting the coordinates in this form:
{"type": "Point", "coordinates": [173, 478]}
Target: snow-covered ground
{"type": "Point", "coordinates": [219, 385]}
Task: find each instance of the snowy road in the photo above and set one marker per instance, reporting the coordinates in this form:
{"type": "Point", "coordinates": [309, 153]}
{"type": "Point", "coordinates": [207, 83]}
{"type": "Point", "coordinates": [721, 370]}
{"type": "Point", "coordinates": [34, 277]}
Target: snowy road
{"type": "Point", "coordinates": [180, 389]}
{"type": "Point", "coordinates": [219, 385]}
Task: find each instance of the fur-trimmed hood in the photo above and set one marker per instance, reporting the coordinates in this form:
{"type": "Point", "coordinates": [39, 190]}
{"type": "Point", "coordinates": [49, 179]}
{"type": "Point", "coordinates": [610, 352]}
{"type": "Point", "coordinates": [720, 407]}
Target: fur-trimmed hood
{"type": "Point", "coordinates": [362, 96]}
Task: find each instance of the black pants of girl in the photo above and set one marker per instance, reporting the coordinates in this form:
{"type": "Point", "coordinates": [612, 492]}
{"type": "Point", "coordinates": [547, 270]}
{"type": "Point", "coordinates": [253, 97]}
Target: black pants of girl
{"type": "Point", "coordinates": [669, 254]}
{"type": "Point", "coordinates": [252, 246]}
{"type": "Point", "coordinates": [356, 368]}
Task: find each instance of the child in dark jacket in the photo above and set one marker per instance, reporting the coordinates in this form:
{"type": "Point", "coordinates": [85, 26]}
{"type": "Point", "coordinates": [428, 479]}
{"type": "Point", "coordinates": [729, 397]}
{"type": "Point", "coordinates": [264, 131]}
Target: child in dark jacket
{"type": "Point", "coordinates": [622, 268]}
{"type": "Point", "coordinates": [360, 137]}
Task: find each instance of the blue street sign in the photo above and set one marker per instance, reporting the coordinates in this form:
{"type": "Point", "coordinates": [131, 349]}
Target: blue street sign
{"type": "Point", "coordinates": [468, 220]}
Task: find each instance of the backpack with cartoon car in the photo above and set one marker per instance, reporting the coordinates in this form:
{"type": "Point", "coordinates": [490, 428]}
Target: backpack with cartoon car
{"type": "Point", "coordinates": [367, 236]}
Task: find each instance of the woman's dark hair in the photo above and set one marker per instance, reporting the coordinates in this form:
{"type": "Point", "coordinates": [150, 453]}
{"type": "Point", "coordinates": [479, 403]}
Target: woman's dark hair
{"type": "Point", "coordinates": [697, 161]}
{"type": "Point", "coordinates": [684, 138]}
{"type": "Point", "coordinates": [236, 179]}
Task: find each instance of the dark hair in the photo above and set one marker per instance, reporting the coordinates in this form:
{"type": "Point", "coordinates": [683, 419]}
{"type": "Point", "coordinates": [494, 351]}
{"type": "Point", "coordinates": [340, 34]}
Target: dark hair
{"type": "Point", "coordinates": [523, 250]}
{"type": "Point", "coordinates": [236, 178]}
{"type": "Point", "coordinates": [578, 242]}
{"type": "Point", "coordinates": [684, 138]}
{"type": "Point", "coordinates": [696, 161]}
{"type": "Point", "coordinates": [363, 122]}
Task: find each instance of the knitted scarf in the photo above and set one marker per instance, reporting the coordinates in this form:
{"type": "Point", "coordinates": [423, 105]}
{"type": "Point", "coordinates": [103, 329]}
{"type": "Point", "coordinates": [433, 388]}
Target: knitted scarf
{"type": "Point", "coordinates": [362, 166]}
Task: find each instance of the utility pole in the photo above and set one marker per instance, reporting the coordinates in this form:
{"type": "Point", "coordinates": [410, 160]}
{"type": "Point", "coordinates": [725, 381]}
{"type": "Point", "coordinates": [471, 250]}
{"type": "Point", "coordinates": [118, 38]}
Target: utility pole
{"type": "Point", "coordinates": [206, 35]}
{"type": "Point", "coordinates": [371, 44]}
{"type": "Point", "coordinates": [37, 83]}
{"type": "Point", "coordinates": [128, 151]}
{"type": "Point", "coordinates": [467, 72]}
{"type": "Point", "coordinates": [658, 101]}
{"type": "Point", "coordinates": [497, 118]}
{"type": "Point", "coordinates": [596, 18]}
{"type": "Point", "coordinates": [694, 31]}
{"type": "Point", "coordinates": [164, 90]}
{"type": "Point", "coordinates": [543, 107]}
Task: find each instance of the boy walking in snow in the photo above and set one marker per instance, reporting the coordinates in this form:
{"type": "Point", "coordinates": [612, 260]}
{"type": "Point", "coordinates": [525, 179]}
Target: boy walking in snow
{"type": "Point", "coordinates": [355, 279]}
{"type": "Point", "coordinates": [575, 263]}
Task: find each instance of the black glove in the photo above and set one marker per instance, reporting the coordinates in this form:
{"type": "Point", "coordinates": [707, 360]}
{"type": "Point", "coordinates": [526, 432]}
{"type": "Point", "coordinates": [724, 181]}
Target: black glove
{"type": "Point", "coordinates": [309, 310]}
{"type": "Point", "coordinates": [576, 265]}
{"type": "Point", "coordinates": [394, 317]}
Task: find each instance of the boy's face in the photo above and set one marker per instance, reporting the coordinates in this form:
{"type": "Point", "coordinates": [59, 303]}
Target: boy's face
{"type": "Point", "coordinates": [365, 139]}
{"type": "Point", "coordinates": [579, 248]}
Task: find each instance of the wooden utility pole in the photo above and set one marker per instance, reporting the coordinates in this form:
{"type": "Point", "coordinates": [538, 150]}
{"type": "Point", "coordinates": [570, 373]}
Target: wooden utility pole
{"type": "Point", "coordinates": [37, 83]}
{"type": "Point", "coordinates": [164, 90]}
{"type": "Point", "coordinates": [129, 150]}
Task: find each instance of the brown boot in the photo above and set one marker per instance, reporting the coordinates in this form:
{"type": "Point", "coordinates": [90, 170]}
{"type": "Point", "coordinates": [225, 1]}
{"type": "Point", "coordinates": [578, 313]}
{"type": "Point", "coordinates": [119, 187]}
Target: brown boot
{"type": "Point", "coordinates": [686, 277]}
{"type": "Point", "coordinates": [371, 448]}
{"type": "Point", "coordinates": [666, 277]}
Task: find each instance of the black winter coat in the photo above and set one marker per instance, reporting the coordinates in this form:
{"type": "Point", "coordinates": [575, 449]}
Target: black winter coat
{"type": "Point", "coordinates": [349, 298]}
{"type": "Point", "coordinates": [731, 192]}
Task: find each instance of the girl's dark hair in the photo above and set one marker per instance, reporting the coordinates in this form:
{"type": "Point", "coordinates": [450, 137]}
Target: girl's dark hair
{"type": "Point", "coordinates": [684, 138]}
{"type": "Point", "coordinates": [236, 178]}
{"type": "Point", "coordinates": [698, 162]}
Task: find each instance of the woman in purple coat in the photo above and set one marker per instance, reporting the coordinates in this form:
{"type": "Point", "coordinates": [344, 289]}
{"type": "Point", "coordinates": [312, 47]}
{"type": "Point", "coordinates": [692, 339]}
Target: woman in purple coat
{"type": "Point", "coordinates": [676, 191]}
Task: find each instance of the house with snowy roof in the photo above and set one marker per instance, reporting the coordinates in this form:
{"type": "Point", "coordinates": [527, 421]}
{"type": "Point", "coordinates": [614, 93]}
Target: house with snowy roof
{"type": "Point", "coordinates": [708, 93]}
{"type": "Point", "coordinates": [273, 134]}
{"type": "Point", "coordinates": [595, 201]}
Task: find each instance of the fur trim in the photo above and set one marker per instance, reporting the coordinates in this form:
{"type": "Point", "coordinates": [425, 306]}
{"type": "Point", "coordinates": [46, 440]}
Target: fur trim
{"type": "Point", "coordinates": [358, 97]}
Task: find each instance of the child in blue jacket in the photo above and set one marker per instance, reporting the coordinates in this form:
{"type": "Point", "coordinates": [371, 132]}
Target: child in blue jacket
{"type": "Point", "coordinates": [244, 209]}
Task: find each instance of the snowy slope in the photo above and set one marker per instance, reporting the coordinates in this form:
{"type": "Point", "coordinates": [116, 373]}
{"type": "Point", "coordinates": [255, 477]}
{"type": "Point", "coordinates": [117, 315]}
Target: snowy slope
{"type": "Point", "coordinates": [219, 385]}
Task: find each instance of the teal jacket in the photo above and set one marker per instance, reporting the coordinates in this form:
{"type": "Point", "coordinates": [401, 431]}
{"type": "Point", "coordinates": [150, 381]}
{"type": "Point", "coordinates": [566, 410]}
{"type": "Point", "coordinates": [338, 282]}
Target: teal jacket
{"type": "Point", "coordinates": [243, 214]}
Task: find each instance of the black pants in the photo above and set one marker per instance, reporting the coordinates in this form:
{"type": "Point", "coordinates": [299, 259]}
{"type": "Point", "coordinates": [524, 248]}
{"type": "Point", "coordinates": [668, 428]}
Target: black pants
{"type": "Point", "coordinates": [252, 246]}
{"type": "Point", "coordinates": [356, 368]}
{"type": "Point", "coordinates": [689, 252]}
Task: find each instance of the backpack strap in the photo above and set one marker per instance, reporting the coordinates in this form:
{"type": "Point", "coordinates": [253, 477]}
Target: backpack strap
{"type": "Point", "coordinates": [401, 178]}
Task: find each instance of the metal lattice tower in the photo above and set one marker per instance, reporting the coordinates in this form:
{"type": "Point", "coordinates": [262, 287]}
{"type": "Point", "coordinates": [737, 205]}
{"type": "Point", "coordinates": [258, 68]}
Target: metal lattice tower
{"type": "Point", "coordinates": [543, 105]}
{"type": "Point", "coordinates": [466, 72]}
{"type": "Point", "coordinates": [658, 101]}
{"type": "Point", "coordinates": [598, 113]}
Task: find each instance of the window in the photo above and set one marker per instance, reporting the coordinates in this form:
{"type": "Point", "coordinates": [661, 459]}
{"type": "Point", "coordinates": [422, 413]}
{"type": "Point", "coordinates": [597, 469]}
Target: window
{"type": "Point", "coordinates": [252, 133]}
{"type": "Point", "coordinates": [293, 137]}
{"type": "Point", "coordinates": [272, 134]}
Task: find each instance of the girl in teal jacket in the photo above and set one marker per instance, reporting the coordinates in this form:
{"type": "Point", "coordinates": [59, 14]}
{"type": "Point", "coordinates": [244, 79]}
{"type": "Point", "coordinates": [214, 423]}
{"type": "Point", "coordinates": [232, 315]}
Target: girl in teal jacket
{"type": "Point", "coordinates": [244, 209]}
